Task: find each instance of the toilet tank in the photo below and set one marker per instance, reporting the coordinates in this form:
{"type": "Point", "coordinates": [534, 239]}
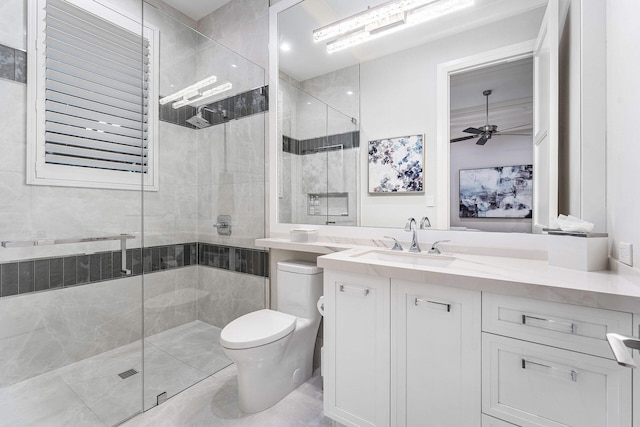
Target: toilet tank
{"type": "Point", "coordinates": [299, 287]}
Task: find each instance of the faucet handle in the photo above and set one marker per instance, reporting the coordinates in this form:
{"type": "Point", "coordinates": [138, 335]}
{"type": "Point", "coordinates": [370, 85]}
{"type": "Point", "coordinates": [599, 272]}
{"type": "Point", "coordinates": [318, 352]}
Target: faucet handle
{"type": "Point", "coordinates": [396, 246]}
{"type": "Point", "coordinates": [425, 223]}
{"type": "Point", "coordinates": [435, 249]}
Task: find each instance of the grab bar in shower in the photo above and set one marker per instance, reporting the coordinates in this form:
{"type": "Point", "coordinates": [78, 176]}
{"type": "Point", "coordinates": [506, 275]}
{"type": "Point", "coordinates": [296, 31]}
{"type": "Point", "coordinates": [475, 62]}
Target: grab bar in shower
{"type": "Point", "coordinates": [46, 242]}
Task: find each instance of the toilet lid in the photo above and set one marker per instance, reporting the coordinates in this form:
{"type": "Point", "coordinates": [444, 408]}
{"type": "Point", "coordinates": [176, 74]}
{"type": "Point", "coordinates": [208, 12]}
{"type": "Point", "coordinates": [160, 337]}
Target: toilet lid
{"type": "Point", "coordinates": [257, 328]}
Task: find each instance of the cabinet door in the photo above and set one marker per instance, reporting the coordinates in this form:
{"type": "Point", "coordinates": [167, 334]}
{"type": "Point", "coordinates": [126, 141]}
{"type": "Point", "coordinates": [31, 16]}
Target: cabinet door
{"type": "Point", "coordinates": [435, 355]}
{"type": "Point", "coordinates": [356, 349]}
{"type": "Point", "coordinates": [530, 385]}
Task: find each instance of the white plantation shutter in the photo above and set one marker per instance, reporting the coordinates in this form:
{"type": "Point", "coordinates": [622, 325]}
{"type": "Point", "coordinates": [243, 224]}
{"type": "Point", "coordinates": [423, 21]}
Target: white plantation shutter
{"type": "Point", "coordinates": [94, 88]}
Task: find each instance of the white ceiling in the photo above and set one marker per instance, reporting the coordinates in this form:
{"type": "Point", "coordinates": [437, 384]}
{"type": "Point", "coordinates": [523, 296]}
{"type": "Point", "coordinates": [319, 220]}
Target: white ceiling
{"type": "Point", "coordinates": [510, 103]}
{"type": "Point", "coordinates": [307, 59]}
{"type": "Point", "coordinates": [196, 9]}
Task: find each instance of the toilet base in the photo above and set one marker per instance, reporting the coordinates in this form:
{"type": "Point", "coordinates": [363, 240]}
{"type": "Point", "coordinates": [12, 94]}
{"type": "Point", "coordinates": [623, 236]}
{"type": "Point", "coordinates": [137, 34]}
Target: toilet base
{"type": "Point", "coordinates": [268, 373]}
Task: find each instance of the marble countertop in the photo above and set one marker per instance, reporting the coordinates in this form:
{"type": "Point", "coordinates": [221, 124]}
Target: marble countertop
{"type": "Point", "coordinates": [311, 247]}
{"type": "Point", "coordinates": [512, 276]}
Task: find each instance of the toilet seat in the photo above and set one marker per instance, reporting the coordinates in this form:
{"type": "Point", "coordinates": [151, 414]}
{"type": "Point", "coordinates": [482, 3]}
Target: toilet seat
{"type": "Point", "coordinates": [257, 328]}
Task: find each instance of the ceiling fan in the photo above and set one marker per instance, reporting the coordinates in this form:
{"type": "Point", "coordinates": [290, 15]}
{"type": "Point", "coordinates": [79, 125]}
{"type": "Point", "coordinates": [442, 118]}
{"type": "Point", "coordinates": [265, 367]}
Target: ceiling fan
{"type": "Point", "coordinates": [486, 132]}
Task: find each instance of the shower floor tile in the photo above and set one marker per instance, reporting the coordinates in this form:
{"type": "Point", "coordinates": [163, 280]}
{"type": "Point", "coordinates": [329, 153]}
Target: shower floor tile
{"type": "Point", "coordinates": [214, 402]}
{"type": "Point", "coordinates": [196, 344]}
{"type": "Point", "coordinates": [90, 392]}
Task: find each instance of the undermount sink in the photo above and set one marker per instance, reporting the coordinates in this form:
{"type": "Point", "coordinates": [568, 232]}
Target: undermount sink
{"type": "Point", "coordinates": [412, 259]}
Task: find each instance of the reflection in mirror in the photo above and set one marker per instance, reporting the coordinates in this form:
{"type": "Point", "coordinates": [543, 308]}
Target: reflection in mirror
{"type": "Point", "coordinates": [393, 87]}
{"type": "Point", "coordinates": [318, 161]}
{"type": "Point", "coordinates": [491, 151]}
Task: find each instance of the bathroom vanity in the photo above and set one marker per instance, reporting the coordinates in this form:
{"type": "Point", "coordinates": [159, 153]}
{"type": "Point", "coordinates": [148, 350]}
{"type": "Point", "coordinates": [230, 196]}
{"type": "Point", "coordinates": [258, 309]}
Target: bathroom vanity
{"type": "Point", "coordinates": [467, 340]}
{"type": "Point", "coordinates": [471, 340]}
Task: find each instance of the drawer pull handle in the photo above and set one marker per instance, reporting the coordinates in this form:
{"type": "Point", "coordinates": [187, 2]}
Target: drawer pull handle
{"type": "Point", "coordinates": [352, 290]}
{"type": "Point", "coordinates": [420, 301]}
{"type": "Point", "coordinates": [554, 325]}
{"type": "Point", "coordinates": [572, 374]}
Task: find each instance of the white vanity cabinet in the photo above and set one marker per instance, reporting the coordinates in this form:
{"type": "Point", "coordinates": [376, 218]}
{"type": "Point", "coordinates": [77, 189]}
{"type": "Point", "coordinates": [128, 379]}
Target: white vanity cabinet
{"type": "Point", "coordinates": [400, 353]}
{"type": "Point", "coordinates": [356, 353]}
{"type": "Point", "coordinates": [435, 355]}
{"type": "Point", "coordinates": [548, 364]}
{"type": "Point", "coordinates": [406, 353]}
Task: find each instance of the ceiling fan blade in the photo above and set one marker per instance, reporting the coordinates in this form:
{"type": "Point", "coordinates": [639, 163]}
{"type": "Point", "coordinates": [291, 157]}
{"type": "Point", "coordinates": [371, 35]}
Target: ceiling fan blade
{"type": "Point", "coordinates": [472, 130]}
{"type": "Point", "coordinates": [524, 126]}
{"type": "Point", "coordinates": [483, 140]}
{"type": "Point", "coordinates": [463, 138]}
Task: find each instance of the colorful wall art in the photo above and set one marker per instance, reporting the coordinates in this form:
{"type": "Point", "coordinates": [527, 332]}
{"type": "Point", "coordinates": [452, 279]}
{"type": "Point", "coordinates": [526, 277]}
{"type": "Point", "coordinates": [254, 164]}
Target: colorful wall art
{"type": "Point", "coordinates": [396, 165]}
{"type": "Point", "coordinates": [497, 192]}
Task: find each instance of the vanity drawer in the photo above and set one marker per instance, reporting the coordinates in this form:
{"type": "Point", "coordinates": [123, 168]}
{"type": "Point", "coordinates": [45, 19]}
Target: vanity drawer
{"type": "Point", "coordinates": [529, 384]}
{"type": "Point", "coordinates": [560, 325]}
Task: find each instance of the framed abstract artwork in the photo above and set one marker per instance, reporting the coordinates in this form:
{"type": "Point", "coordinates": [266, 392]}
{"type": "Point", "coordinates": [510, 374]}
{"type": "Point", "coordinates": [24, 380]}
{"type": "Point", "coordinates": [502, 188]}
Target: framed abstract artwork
{"type": "Point", "coordinates": [497, 192]}
{"type": "Point", "coordinates": [396, 165]}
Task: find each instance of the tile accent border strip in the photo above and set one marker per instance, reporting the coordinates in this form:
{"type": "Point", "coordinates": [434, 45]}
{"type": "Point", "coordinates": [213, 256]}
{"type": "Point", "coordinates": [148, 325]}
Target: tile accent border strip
{"type": "Point", "coordinates": [32, 275]}
{"type": "Point", "coordinates": [13, 64]}
{"type": "Point", "coordinates": [313, 145]}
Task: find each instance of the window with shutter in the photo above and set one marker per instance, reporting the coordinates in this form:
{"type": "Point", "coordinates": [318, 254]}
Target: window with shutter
{"type": "Point", "coordinates": [93, 87]}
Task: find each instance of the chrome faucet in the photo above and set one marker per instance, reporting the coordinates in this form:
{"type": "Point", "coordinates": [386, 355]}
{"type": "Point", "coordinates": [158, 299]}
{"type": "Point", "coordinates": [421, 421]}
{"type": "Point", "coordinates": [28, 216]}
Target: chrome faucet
{"type": "Point", "coordinates": [411, 226]}
{"type": "Point", "coordinates": [425, 223]}
{"type": "Point", "coordinates": [435, 249]}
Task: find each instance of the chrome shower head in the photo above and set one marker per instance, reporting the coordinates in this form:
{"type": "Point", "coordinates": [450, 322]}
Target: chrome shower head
{"type": "Point", "coordinates": [198, 121]}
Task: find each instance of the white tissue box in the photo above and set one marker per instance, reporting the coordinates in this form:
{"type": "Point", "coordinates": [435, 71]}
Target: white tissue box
{"type": "Point", "coordinates": [303, 235]}
{"type": "Point", "coordinates": [579, 253]}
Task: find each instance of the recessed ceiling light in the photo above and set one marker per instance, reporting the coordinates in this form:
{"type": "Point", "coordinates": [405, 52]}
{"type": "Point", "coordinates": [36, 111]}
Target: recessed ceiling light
{"type": "Point", "coordinates": [349, 92]}
{"type": "Point", "coordinates": [285, 47]}
{"type": "Point", "coordinates": [234, 65]}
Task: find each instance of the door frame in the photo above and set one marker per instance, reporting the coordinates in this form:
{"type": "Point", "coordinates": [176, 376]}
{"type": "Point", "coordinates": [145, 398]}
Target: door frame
{"type": "Point", "coordinates": [445, 70]}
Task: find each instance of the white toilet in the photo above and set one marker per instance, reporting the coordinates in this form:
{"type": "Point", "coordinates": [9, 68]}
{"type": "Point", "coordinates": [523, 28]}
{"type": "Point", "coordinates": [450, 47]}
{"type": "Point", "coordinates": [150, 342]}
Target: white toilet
{"type": "Point", "coordinates": [273, 350]}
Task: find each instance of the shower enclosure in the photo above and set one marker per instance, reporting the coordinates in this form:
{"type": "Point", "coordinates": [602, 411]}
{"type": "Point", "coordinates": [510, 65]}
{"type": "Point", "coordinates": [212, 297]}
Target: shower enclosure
{"type": "Point", "coordinates": [318, 164]}
{"type": "Point", "coordinates": [113, 295]}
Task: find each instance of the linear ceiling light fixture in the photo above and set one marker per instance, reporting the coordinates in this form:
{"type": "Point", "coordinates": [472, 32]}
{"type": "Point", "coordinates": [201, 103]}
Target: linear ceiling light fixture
{"type": "Point", "coordinates": [369, 16]}
{"type": "Point", "coordinates": [384, 19]}
{"type": "Point", "coordinates": [189, 91]}
{"type": "Point", "coordinates": [201, 96]}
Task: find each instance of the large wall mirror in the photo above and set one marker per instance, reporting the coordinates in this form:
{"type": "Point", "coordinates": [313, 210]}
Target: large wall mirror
{"type": "Point", "coordinates": [446, 109]}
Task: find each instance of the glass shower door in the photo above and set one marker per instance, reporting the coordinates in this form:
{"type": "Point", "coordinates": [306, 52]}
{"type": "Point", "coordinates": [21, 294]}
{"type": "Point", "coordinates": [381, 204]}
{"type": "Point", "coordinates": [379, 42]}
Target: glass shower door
{"type": "Point", "coordinates": [70, 301]}
{"type": "Point", "coordinates": [201, 267]}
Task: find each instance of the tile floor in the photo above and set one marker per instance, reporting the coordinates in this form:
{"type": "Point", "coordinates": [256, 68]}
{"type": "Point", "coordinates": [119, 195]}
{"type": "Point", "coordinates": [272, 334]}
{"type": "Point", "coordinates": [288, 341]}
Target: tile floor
{"type": "Point", "coordinates": [214, 402]}
{"type": "Point", "coordinates": [90, 392]}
